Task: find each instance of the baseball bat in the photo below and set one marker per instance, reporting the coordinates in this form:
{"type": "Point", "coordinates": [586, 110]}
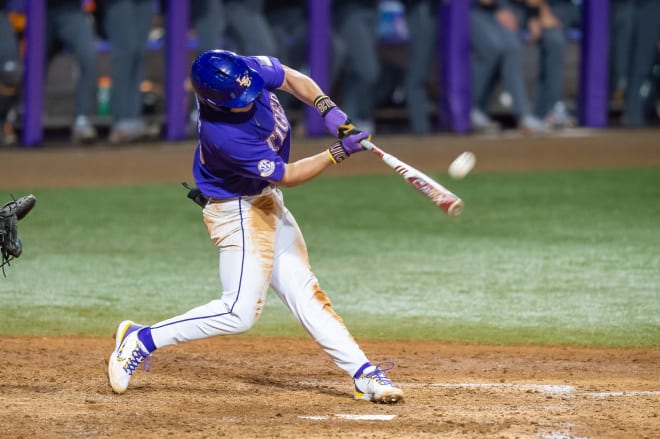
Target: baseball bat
{"type": "Point", "coordinates": [431, 189]}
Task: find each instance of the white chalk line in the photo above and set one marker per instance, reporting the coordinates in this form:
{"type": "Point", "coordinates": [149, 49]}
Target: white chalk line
{"type": "Point", "coordinates": [351, 417]}
{"type": "Point", "coordinates": [553, 389]}
{"type": "Point", "coordinates": [548, 389]}
{"type": "Point", "coordinates": [625, 393]}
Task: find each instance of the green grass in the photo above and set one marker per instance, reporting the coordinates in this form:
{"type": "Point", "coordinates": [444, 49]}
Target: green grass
{"type": "Point", "coordinates": [547, 258]}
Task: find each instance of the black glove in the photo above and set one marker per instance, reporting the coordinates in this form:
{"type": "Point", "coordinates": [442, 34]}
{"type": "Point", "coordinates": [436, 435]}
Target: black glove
{"type": "Point", "coordinates": [196, 195]}
{"type": "Point", "coordinates": [10, 214]}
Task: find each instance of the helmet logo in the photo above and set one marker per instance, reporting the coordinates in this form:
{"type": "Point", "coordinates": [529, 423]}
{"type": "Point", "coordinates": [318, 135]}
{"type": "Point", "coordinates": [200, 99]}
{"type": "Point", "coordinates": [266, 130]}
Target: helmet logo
{"type": "Point", "coordinates": [244, 81]}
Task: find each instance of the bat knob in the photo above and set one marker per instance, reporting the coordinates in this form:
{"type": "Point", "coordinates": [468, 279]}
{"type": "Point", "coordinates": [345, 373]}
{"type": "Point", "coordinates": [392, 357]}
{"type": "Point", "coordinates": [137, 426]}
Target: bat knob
{"type": "Point", "coordinates": [456, 208]}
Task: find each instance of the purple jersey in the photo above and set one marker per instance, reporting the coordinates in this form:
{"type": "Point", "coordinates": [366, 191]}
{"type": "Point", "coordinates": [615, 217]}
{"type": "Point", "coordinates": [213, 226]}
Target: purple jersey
{"type": "Point", "coordinates": [239, 152]}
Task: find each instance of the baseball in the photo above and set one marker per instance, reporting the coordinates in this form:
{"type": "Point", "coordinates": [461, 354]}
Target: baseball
{"type": "Point", "coordinates": [462, 166]}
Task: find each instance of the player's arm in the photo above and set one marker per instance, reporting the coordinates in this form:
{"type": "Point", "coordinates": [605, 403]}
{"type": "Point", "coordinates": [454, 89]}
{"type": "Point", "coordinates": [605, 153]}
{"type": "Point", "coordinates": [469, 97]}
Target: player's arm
{"type": "Point", "coordinates": [306, 90]}
{"type": "Point", "coordinates": [305, 169]}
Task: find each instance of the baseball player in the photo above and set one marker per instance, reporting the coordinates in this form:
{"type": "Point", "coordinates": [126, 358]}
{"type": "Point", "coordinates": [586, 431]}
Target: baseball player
{"type": "Point", "coordinates": [241, 160]}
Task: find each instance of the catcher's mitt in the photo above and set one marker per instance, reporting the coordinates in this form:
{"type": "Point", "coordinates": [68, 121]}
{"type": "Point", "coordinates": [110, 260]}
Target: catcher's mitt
{"type": "Point", "coordinates": [10, 214]}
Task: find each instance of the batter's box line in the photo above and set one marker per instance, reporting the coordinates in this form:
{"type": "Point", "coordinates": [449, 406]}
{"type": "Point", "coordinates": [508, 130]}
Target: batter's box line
{"type": "Point", "coordinates": [552, 389]}
{"type": "Point", "coordinates": [624, 393]}
{"type": "Point", "coordinates": [548, 389]}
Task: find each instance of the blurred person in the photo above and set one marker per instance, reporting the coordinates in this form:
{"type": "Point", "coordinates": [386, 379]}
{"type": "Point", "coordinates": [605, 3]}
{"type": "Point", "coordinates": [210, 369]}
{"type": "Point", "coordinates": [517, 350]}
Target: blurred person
{"type": "Point", "coordinates": [421, 16]}
{"type": "Point", "coordinates": [11, 73]}
{"type": "Point", "coordinates": [240, 162]}
{"type": "Point", "coordinates": [642, 52]}
{"type": "Point", "coordinates": [209, 20]}
{"type": "Point", "coordinates": [546, 30]}
{"type": "Point", "coordinates": [239, 25]}
{"type": "Point", "coordinates": [289, 23]}
{"type": "Point", "coordinates": [497, 54]}
{"type": "Point", "coordinates": [69, 26]}
{"type": "Point", "coordinates": [356, 23]}
{"type": "Point", "coordinates": [127, 24]}
{"type": "Point", "coordinates": [248, 27]}
{"type": "Point", "coordinates": [622, 18]}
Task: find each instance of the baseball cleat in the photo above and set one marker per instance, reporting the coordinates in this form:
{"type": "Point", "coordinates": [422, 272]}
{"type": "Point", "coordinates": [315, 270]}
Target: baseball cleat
{"type": "Point", "coordinates": [372, 384]}
{"type": "Point", "coordinates": [129, 353]}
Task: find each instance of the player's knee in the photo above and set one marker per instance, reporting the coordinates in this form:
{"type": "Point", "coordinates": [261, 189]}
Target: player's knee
{"type": "Point", "coordinates": [11, 74]}
{"type": "Point", "coordinates": [244, 321]}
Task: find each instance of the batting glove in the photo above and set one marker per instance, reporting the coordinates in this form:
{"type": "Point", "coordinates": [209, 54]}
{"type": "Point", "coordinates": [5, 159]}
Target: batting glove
{"type": "Point", "coordinates": [339, 151]}
{"type": "Point", "coordinates": [333, 117]}
{"type": "Point", "coordinates": [351, 140]}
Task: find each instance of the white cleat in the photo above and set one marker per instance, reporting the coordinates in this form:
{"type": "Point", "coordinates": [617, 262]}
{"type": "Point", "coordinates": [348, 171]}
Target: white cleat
{"type": "Point", "coordinates": [374, 385]}
{"type": "Point", "coordinates": [129, 353]}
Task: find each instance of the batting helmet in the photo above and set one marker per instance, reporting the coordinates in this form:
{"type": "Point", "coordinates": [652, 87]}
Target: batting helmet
{"type": "Point", "coordinates": [222, 79]}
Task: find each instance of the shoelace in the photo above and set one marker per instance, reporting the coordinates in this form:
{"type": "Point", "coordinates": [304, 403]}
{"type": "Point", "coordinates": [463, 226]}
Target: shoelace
{"type": "Point", "coordinates": [137, 357]}
{"type": "Point", "coordinates": [379, 372]}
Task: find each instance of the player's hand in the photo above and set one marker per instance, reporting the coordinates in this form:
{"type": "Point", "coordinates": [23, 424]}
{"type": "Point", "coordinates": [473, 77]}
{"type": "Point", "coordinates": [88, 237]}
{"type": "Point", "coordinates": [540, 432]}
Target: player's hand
{"type": "Point", "coordinates": [334, 120]}
{"type": "Point", "coordinates": [351, 139]}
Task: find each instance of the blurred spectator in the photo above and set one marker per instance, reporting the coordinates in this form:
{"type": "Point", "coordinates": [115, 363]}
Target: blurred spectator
{"type": "Point", "coordinates": [421, 17]}
{"type": "Point", "coordinates": [237, 25]}
{"type": "Point", "coordinates": [497, 54]}
{"type": "Point", "coordinates": [289, 22]}
{"type": "Point", "coordinates": [11, 73]}
{"type": "Point", "coordinates": [249, 29]}
{"type": "Point", "coordinates": [209, 20]}
{"type": "Point", "coordinates": [355, 22]}
{"type": "Point", "coordinates": [642, 53]}
{"type": "Point", "coordinates": [127, 24]}
{"type": "Point", "coordinates": [70, 27]}
{"type": "Point", "coordinates": [545, 29]}
{"type": "Point", "coordinates": [622, 17]}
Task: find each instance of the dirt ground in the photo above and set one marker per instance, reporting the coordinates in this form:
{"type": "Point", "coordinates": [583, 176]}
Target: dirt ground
{"type": "Point", "coordinates": [276, 387]}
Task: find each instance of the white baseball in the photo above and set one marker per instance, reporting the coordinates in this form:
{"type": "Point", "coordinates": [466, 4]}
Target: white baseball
{"type": "Point", "coordinates": [462, 166]}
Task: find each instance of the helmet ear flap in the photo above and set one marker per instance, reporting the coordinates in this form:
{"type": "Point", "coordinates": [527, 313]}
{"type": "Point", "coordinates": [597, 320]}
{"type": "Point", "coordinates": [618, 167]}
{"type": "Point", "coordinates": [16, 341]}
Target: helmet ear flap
{"type": "Point", "coordinates": [222, 78]}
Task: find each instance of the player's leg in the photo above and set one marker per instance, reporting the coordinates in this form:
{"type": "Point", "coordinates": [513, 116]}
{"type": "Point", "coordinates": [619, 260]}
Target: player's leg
{"type": "Point", "coordinates": [551, 70]}
{"type": "Point", "coordinates": [244, 232]}
{"type": "Point", "coordinates": [421, 22]}
{"type": "Point", "coordinates": [296, 285]}
{"type": "Point", "coordinates": [486, 52]}
{"type": "Point", "coordinates": [75, 30]}
{"type": "Point", "coordinates": [357, 28]}
{"type": "Point", "coordinates": [11, 74]}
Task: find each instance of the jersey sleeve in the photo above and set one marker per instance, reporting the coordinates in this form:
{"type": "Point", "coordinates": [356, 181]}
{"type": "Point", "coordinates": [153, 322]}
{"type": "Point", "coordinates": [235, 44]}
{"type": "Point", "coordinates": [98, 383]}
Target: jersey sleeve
{"type": "Point", "coordinates": [270, 69]}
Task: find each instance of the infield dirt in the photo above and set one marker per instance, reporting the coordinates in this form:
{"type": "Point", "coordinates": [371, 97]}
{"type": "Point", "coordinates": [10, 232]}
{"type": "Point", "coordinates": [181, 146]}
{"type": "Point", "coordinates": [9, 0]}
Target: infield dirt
{"type": "Point", "coordinates": [246, 386]}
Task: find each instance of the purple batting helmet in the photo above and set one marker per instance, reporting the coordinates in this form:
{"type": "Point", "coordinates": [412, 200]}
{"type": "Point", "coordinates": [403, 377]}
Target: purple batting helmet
{"type": "Point", "coordinates": [222, 79]}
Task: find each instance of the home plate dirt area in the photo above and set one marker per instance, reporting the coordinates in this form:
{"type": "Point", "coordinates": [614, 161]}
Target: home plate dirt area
{"type": "Point", "coordinates": [245, 386]}
{"type": "Point", "coordinates": [263, 387]}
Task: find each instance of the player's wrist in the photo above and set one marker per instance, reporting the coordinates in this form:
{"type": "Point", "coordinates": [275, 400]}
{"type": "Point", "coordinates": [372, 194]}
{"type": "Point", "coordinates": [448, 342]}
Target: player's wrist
{"type": "Point", "coordinates": [337, 153]}
{"type": "Point", "coordinates": [324, 104]}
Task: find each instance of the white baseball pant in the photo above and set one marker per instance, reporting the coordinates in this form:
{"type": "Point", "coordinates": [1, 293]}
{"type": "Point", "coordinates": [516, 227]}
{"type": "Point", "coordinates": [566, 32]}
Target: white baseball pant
{"type": "Point", "coordinates": [261, 245]}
